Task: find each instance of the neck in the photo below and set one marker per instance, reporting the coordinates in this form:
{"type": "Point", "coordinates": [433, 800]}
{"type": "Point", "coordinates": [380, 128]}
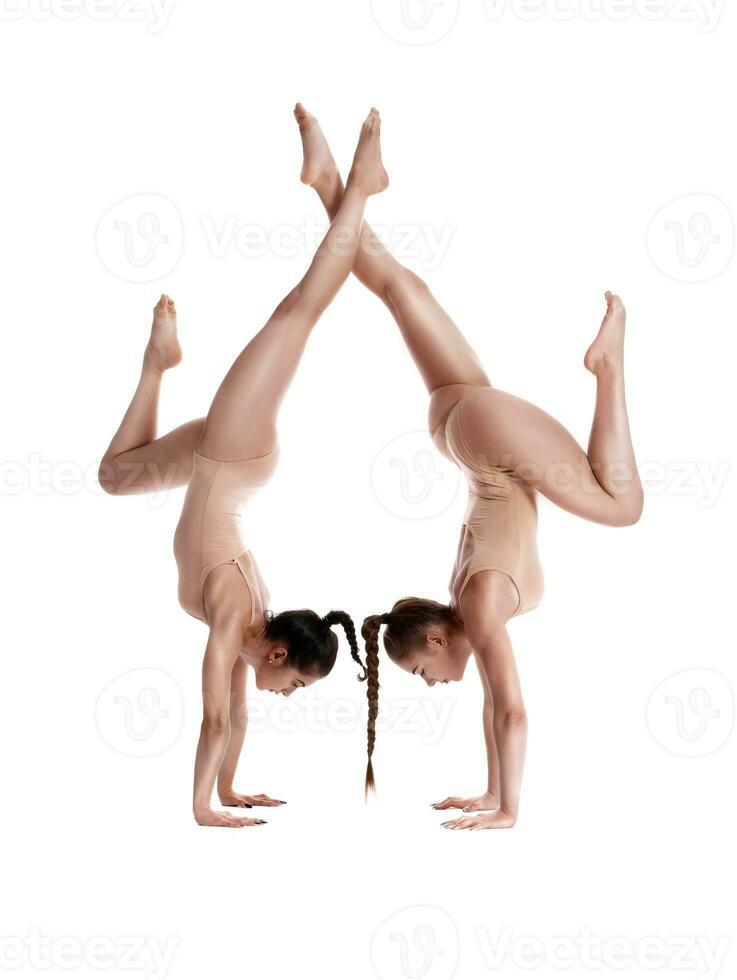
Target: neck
{"type": "Point", "coordinates": [255, 649]}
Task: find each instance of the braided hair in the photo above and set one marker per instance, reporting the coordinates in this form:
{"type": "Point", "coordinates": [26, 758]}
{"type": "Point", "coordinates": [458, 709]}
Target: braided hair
{"type": "Point", "coordinates": [370, 634]}
{"type": "Point", "coordinates": [406, 628]}
{"type": "Point", "coordinates": [312, 646]}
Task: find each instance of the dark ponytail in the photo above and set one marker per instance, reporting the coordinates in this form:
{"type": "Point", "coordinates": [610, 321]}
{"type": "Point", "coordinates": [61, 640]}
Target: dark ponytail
{"type": "Point", "coordinates": [338, 617]}
{"type": "Point", "coordinates": [312, 647]}
{"type": "Point", "coordinates": [370, 633]}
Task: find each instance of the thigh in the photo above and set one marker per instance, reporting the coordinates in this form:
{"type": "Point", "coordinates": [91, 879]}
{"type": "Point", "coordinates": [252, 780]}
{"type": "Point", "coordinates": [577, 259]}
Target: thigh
{"type": "Point", "coordinates": [241, 423]}
{"type": "Point", "coordinates": [507, 431]}
{"type": "Point", "coordinates": [440, 350]}
{"type": "Point", "coordinates": [160, 465]}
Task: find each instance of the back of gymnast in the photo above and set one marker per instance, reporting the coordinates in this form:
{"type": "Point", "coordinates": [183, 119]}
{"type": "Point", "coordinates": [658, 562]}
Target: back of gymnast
{"type": "Point", "coordinates": [223, 459]}
{"type": "Point", "coordinates": [509, 451]}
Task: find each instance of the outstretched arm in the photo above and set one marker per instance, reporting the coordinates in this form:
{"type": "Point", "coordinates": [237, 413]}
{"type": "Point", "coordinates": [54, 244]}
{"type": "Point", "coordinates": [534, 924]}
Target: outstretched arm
{"type": "Point", "coordinates": [238, 725]}
{"type": "Point", "coordinates": [490, 799]}
{"type": "Point", "coordinates": [221, 654]}
{"type": "Point", "coordinates": [505, 719]}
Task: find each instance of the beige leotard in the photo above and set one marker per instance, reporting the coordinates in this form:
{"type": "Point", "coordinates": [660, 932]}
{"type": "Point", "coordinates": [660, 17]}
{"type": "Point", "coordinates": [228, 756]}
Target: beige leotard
{"type": "Point", "coordinates": [210, 531]}
{"type": "Point", "coordinates": [499, 532]}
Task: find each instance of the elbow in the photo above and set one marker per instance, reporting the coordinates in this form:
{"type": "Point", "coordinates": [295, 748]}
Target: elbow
{"type": "Point", "coordinates": [216, 723]}
{"type": "Point", "coordinates": [510, 718]}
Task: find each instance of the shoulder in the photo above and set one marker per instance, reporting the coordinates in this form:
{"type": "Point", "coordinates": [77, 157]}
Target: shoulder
{"type": "Point", "coordinates": [489, 600]}
{"type": "Point", "coordinates": [225, 595]}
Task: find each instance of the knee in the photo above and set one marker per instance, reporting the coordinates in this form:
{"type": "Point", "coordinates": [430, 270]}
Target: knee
{"type": "Point", "coordinates": [108, 477]}
{"type": "Point", "coordinates": [404, 285]}
{"type": "Point", "coordinates": [629, 514]}
{"type": "Point", "coordinates": [633, 510]}
{"type": "Point", "coordinates": [294, 305]}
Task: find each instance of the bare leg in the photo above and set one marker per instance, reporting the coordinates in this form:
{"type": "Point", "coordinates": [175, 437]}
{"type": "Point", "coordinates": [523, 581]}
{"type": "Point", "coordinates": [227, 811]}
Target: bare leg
{"type": "Point", "coordinates": [603, 486]}
{"type": "Point", "coordinates": [136, 461]}
{"type": "Point", "coordinates": [441, 352]}
{"type": "Point", "coordinates": [242, 419]}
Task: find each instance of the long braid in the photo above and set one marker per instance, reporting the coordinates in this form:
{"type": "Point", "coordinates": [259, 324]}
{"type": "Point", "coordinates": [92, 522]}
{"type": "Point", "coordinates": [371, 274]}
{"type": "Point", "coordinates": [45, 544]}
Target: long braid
{"type": "Point", "coordinates": [370, 633]}
{"type": "Point", "coordinates": [337, 616]}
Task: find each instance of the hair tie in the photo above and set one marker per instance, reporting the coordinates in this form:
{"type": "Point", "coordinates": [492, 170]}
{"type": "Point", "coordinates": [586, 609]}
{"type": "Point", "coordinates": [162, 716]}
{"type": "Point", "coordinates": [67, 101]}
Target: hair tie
{"type": "Point", "coordinates": [385, 618]}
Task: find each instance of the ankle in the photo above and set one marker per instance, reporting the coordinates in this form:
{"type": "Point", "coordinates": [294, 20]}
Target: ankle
{"type": "Point", "coordinates": [329, 186]}
{"type": "Point", "coordinates": [151, 365]}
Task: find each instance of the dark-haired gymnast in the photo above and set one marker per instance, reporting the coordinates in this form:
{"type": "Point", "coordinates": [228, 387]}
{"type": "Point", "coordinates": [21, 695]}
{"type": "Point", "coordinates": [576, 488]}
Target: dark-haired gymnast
{"type": "Point", "coordinates": [223, 459]}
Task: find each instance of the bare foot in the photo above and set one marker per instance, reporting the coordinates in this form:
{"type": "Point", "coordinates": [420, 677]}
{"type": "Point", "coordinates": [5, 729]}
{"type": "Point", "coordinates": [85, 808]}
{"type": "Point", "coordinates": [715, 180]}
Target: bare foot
{"type": "Point", "coordinates": [608, 348]}
{"type": "Point", "coordinates": [318, 163]}
{"type": "Point", "coordinates": [368, 171]}
{"type": "Point", "coordinates": [163, 348]}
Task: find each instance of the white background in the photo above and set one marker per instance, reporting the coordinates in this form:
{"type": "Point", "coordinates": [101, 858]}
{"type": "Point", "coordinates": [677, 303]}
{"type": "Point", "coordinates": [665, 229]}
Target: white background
{"type": "Point", "coordinates": [543, 146]}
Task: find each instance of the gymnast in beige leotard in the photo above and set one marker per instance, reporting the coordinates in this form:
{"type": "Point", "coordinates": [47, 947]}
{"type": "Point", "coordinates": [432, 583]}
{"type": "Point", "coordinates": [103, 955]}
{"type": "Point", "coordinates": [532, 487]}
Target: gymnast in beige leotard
{"type": "Point", "coordinates": [510, 451]}
{"type": "Point", "coordinates": [224, 459]}
{"type": "Point", "coordinates": [499, 530]}
{"type": "Point", "coordinates": [212, 532]}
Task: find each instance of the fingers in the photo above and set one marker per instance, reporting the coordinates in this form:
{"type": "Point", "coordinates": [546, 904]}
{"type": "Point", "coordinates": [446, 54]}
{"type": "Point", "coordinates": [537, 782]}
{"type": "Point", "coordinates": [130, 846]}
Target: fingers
{"type": "Point", "coordinates": [473, 805]}
{"type": "Point", "coordinates": [462, 823]}
{"type": "Point", "coordinates": [263, 800]}
{"type": "Point", "coordinates": [230, 820]}
{"type": "Point", "coordinates": [451, 803]}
